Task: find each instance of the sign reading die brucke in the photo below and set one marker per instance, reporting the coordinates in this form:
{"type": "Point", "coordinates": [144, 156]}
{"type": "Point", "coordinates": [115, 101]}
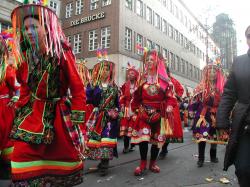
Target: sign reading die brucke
{"type": "Point", "coordinates": [87, 19]}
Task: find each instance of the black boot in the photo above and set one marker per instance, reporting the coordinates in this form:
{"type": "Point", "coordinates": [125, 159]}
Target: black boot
{"type": "Point", "coordinates": [164, 151]}
{"type": "Point", "coordinates": [201, 157]}
{"type": "Point", "coordinates": [103, 167]}
{"type": "Point", "coordinates": [132, 147]}
{"type": "Point", "coordinates": [126, 144]}
{"type": "Point", "coordinates": [213, 157]}
{"type": "Point", "coordinates": [200, 163]}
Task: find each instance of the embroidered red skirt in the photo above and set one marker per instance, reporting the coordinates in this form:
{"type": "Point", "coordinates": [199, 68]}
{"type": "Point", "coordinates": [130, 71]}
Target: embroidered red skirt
{"type": "Point", "coordinates": [57, 164]}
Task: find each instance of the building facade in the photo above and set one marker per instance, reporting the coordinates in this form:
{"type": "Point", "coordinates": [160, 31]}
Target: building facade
{"type": "Point", "coordinates": [123, 25]}
{"type": "Point", "coordinates": [55, 5]}
{"type": "Point", "coordinates": [6, 7]}
{"type": "Point", "coordinates": [225, 35]}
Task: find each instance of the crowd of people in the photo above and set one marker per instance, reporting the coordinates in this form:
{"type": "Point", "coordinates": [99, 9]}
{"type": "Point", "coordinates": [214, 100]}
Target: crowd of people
{"type": "Point", "coordinates": [61, 112]}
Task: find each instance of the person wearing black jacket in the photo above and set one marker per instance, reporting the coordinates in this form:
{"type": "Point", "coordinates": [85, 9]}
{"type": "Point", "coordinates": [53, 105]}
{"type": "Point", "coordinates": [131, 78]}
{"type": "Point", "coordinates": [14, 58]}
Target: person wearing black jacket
{"type": "Point", "coordinates": [236, 97]}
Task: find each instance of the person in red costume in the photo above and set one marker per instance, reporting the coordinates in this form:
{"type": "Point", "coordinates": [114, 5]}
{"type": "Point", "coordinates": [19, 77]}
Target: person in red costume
{"type": "Point", "coordinates": [153, 102]}
{"type": "Point", "coordinates": [127, 120]}
{"type": "Point", "coordinates": [49, 143]}
{"type": "Point", "coordinates": [177, 136]}
{"type": "Point", "coordinates": [8, 95]}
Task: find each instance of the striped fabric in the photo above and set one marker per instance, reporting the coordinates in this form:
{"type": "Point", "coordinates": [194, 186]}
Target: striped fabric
{"type": "Point", "coordinates": [44, 166]}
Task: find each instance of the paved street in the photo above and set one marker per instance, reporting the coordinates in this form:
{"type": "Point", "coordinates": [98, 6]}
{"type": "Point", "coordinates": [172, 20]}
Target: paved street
{"type": "Point", "coordinates": [177, 170]}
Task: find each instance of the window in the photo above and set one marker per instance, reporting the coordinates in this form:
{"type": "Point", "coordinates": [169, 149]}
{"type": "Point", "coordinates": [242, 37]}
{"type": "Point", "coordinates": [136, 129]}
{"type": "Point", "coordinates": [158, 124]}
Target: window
{"type": "Point", "coordinates": [139, 43]}
{"type": "Point", "coordinates": [164, 2]}
{"type": "Point", "coordinates": [139, 7]}
{"type": "Point", "coordinates": [69, 39]}
{"type": "Point", "coordinates": [176, 36]}
{"type": "Point", "coordinates": [171, 7]}
{"type": "Point", "coordinates": [190, 70]}
{"type": "Point", "coordinates": [93, 40]}
{"type": "Point", "coordinates": [189, 26]}
{"type": "Point", "coordinates": [128, 4]}
{"type": "Point", "coordinates": [195, 73]}
{"type": "Point", "coordinates": [186, 22]}
{"type": "Point", "coordinates": [181, 16]}
{"type": "Point", "coordinates": [181, 40]}
{"type": "Point", "coordinates": [186, 68]}
{"type": "Point", "coordinates": [128, 39]}
{"type": "Point", "coordinates": [157, 47]}
{"type": "Point", "coordinates": [106, 2]}
{"type": "Point", "coordinates": [149, 15]}
{"type": "Point", "coordinates": [105, 37]}
{"type": "Point", "coordinates": [69, 10]}
{"type": "Point", "coordinates": [164, 27]}
{"type": "Point", "coordinates": [165, 53]}
{"type": "Point", "coordinates": [182, 66]}
{"type": "Point", "coordinates": [176, 12]}
{"type": "Point", "coordinates": [171, 60]}
{"type": "Point", "coordinates": [178, 64]}
{"type": "Point", "coordinates": [94, 4]}
{"type": "Point", "coordinates": [79, 7]}
{"type": "Point", "coordinates": [53, 5]}
{"type": "Point", "coordinates": [149, 44]}
{"type": "Point", "coordinates": [77, 44]}
{"type": "Point", "coordinates": [185, 43]}
{"type": "Point", "coordinates": [157, 21]}
{"type": "Point", "coordinates": [171, 31]}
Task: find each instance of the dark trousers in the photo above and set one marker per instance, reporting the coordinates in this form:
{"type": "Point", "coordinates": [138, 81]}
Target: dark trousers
{"type": "Point", "coordinates": [242, 161]}
{"type": "Point", "coordinates": [143, 146]}
{"type": "Point", "coordinates": [201, 150]}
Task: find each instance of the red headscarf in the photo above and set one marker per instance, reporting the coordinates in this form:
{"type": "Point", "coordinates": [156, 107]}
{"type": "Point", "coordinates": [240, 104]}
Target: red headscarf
{"type": "Point", "coordinates": [162, 76]}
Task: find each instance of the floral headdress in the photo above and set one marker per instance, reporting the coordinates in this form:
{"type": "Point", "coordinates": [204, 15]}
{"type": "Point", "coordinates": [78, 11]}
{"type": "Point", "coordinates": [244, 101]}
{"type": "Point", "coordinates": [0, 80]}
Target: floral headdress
{"type": "Point", "coordinates": [204, 86]}
{"type": "Point", "coordinates": [98, 68]}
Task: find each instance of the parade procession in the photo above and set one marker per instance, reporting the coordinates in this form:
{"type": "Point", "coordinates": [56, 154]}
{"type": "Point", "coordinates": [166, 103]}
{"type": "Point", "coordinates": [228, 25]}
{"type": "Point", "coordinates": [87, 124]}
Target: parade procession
{"type": "Point", "coordinates": [122, 93]}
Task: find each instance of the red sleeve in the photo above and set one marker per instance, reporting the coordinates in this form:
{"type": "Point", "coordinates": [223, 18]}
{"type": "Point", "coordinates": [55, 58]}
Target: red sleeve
{"type": "Point", "coordinates": [170, 99]}
{"type": "Point", "coordinates": [22, 79]}
{"type": "Point", "coordinates": [78, 100]}
{"type": "Point", "coordinates": [122, 97]}
{"type": "Point", "coordinates": [177, 87]}
{"type": "Point", "coordinates": [137, 97]}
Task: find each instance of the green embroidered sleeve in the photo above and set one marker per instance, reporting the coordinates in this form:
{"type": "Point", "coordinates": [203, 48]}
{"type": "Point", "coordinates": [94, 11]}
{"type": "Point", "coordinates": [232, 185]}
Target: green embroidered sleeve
{"type": "Point", "coordinates": [77, 116]}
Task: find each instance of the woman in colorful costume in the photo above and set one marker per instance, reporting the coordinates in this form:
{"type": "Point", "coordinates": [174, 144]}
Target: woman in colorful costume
{"type": "Point", "coordinates": [153, 102]}
{"type": "Point", "coordinates": [102, 125]}
{"type": "Point", "coordinates": [8, 95]}
{"type": "Point", "coordinates": [177, 136]}
{"type": "Point", "coordinates": [49, 144]}
{"type": "Point", "coordinates": [206, 100]}
{"type": "Point", "coordinates": [128, 119]}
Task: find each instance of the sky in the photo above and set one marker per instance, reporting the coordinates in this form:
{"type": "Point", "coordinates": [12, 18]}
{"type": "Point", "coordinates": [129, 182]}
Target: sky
{"type": "Point", "coordinates": [238, 11]}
